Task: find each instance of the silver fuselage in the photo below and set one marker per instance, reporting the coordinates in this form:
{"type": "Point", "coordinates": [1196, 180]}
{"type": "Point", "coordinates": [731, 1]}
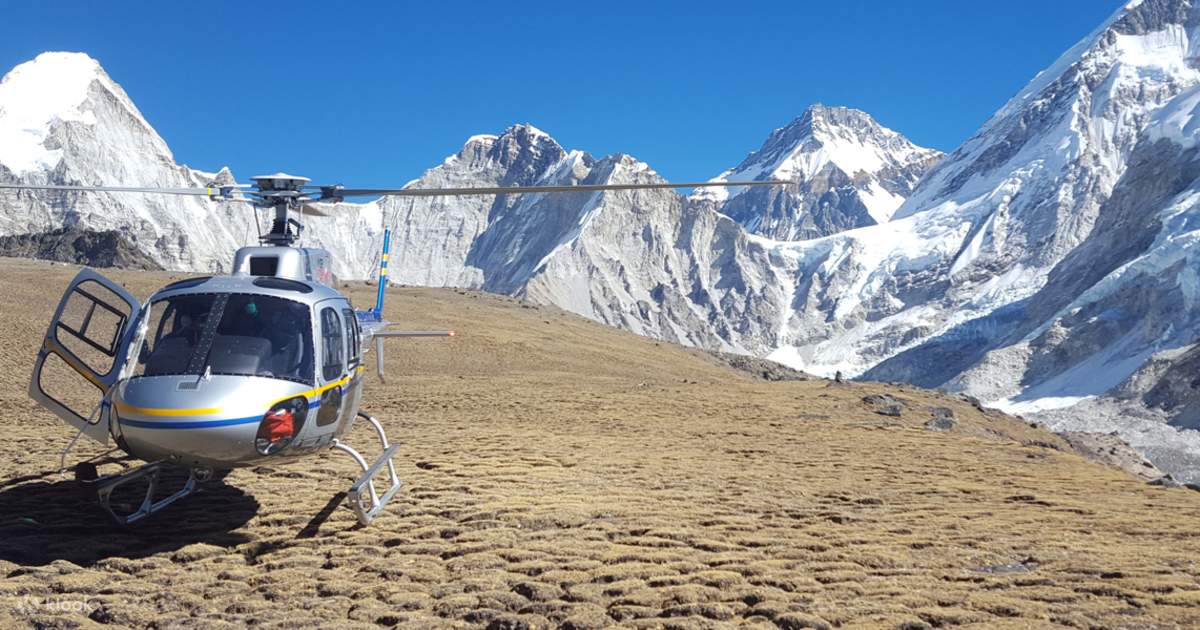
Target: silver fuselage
{"type": "Point", "coordinates": [211, 420]}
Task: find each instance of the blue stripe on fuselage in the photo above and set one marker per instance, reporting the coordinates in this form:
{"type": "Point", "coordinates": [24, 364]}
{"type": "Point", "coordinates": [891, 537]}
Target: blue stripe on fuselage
{"type": "Point", "coordinates": [198, 424]}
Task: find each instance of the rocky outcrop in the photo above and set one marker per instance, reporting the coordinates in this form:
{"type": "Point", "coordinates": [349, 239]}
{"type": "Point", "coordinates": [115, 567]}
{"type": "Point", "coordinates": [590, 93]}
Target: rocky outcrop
{"type": "Point", "coordinates": [82, 247]}
{"type": "Point", "coordinates": [1109, 449]}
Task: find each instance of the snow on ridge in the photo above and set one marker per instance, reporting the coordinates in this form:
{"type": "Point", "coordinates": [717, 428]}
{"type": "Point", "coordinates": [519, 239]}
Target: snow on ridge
{"type": "Point", "coordinates": [854, 142]}
{"type": "Point", "coordinates": [1072, 56]}
{"type": "Point", "coordinates": [880, 203]}
{"type": "Point", "coordinates": [535, 131]}
{"type": "Point", "coordinates": [52, 88]}
{"type": "Point", "coordinates": [33, 96]}
{"type": "Point", "coordinates": [1158, 59]}
{"type": "Point", "coordinates": [569, 163]}
{"type": "Point", "coordinates": [1177, 121]}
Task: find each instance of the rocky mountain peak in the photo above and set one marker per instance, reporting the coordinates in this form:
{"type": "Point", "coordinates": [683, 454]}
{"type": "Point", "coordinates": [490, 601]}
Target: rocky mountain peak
{"type": "Point", "coordinates": [1146, 16]}
{"type": "Point", "coordinates": [848, 138]}
{"type": "Point", "coordinates": [850, 170]}
{"type": "Point", "coordinates": [524, 137]}
{"type": "Point", "coordinates": [820, 118]}
{"type": "Point", "coordinates": [522, 151]}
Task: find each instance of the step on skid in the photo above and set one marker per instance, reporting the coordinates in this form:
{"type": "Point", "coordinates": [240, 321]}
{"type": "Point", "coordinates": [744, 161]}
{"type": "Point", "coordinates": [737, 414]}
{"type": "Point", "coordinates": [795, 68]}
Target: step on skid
{"type": "Point", "coordinates": [369, 504]}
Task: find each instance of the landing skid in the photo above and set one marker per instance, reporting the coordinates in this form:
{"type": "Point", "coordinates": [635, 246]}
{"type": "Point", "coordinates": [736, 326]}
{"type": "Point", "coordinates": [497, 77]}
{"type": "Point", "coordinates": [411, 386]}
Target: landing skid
{"type": "Point", "coordinates": [104, 487]}
{"type": "Point", "coordinates": [369, 504]}
{"type": "Point", "coordinates": [364, 497]}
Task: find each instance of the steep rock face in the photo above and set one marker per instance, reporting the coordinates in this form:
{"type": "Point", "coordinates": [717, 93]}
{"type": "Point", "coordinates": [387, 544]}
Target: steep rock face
{"type": "Point", "coordinates": [643, 260]}
{"type": "Point", "coordinates": [458, 241]}
{"type": "Point", "coordinates": [1119, 312]}
{"type": "Point", "coordinates": [1177, 388]}
{"type": "Point", "coordinates": [849, 171]}
{"type": "Point", "coordinates": [649, 262]}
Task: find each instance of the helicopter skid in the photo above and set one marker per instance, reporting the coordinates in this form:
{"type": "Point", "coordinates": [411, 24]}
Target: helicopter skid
{"type": "Point", "coordinates": [151, 473]}
{"type": "Point", "coordinates": [366, 501]}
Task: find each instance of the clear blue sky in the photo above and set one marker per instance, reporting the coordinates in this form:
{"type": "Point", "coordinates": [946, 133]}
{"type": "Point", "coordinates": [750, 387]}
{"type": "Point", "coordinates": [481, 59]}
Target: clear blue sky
{"type": "Point", "coordinates": [374, 95]}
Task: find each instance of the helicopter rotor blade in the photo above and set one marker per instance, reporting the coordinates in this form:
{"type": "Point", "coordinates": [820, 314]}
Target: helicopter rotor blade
{"type": "Point", "coordinates": [269, 197]}
{"type": "Point", "coordinates": [334, 192]}
{"type": "Point", "coordinates": [221, 192]}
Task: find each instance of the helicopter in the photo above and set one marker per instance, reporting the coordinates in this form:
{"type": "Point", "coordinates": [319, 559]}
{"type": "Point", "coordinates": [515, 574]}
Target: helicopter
{"type": "Point", "coordinates": [263, 365]}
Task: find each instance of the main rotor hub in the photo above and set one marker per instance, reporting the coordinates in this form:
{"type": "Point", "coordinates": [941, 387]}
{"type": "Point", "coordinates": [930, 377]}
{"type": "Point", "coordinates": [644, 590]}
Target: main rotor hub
{"type": "Point", "coordinates": [279, 182]}
{"type": "Point", "coordinates": [282, 192]}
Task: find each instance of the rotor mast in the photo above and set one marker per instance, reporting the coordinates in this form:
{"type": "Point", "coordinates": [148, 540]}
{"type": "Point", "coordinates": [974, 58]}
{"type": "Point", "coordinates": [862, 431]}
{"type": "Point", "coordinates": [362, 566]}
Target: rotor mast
{"type": "Point", "coordinates": [283, 193]}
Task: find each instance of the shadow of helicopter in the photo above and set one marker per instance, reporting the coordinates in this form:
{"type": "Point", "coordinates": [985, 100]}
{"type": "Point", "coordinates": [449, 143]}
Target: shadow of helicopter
{"type": "Point", "coordinates": [42, 521]}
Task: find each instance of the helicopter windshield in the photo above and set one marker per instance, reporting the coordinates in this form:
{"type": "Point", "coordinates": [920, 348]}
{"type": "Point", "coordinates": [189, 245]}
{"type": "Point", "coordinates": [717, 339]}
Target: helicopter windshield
{"type": "Point", "coordinates": [224, 333]}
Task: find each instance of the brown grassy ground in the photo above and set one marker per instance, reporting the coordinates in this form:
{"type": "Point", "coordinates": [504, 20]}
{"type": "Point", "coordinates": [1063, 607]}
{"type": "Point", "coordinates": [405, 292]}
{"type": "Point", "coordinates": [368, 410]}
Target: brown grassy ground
{"type": "Point", "coordinates": [564, 473]}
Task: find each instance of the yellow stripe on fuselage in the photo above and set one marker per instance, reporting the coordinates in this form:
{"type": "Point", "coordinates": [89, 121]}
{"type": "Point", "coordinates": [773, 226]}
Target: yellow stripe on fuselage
{"type": "Point", "coordinates": [319, 390]}
{"type": "Point", "coordinates": [164, 412]}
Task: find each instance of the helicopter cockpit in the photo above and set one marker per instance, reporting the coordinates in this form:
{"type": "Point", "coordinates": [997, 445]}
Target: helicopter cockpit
{"type": "Point", "coordinates": [228, 334]}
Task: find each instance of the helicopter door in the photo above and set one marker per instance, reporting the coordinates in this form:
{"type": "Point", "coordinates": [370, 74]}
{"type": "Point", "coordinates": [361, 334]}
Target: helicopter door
{"type": "Point", "coordinates": [80, 356]}
{"type": "Point", "coordinates": [332, 366]}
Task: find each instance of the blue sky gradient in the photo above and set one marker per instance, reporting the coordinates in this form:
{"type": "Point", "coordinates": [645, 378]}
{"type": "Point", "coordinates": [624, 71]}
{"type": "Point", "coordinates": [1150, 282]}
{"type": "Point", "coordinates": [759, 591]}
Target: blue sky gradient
{"type": "Point", "coordinates": [373, 94]}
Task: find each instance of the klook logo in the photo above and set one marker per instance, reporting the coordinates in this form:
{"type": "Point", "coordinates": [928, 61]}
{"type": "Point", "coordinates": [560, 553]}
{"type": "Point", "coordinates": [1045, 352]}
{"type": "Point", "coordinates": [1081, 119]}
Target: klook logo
{"type": "Point", "coordinates": [30, 604]}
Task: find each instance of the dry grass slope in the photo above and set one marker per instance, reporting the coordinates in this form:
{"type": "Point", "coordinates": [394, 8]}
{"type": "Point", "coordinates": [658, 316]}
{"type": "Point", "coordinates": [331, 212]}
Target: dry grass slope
{"type": "Point", "coordinates": [561, 473]}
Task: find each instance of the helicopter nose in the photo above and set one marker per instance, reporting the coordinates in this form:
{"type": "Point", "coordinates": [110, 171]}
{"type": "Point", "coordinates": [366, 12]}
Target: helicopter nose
{"type": "Point", "coordinates": [158, 420]}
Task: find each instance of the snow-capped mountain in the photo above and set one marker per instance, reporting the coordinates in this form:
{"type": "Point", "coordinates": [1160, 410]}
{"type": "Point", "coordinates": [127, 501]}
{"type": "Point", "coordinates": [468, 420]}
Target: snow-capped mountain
{"type": "Point", "coordinates": [849, 171]}
{"type": "Point", "coordinates": [63, 120]}
{"type": "Point", "coordinates": [1012, 227]}
{"type": "Point", "coordinates": [1051, 258]}
{"type": "Point", "coordinates": [643, 260]}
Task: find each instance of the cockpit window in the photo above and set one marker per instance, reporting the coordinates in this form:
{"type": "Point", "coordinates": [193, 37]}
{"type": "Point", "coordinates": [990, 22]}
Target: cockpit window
{"type": "Point", "coordinates": [238, 334]}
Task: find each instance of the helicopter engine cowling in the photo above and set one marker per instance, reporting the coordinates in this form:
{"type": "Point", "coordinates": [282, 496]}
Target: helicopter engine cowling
{"type": "Point", "coordinates": [293, 263]}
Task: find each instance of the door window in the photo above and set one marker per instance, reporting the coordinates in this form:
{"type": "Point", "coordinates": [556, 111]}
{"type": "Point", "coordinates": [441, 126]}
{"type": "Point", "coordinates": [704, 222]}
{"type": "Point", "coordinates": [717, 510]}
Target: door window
{"type": "Point", "coordinates": [331, 339]}
{"type": "Point", "coordinates": [89, 328]}
{"type": "Point", "coordinates": [352, 348]}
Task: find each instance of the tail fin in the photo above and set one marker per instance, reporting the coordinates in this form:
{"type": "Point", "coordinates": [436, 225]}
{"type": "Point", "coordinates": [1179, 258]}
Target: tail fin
{"type": "Point", "coordinates": [383, 265]}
